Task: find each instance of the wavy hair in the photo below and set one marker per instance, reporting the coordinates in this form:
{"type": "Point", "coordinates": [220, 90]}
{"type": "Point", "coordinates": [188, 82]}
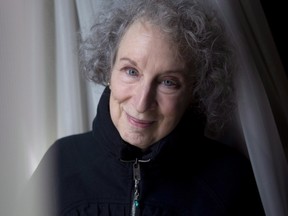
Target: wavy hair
{"type": "Point", "coordinates": [196, 31]}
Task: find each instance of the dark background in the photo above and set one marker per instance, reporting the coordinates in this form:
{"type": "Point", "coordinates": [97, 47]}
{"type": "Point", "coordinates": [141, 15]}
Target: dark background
{"type": "Point", "coordinates": [277, 16]}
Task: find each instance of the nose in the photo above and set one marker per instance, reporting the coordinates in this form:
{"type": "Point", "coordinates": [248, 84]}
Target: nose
{"type": "Point", "coordinates": [145, 97]}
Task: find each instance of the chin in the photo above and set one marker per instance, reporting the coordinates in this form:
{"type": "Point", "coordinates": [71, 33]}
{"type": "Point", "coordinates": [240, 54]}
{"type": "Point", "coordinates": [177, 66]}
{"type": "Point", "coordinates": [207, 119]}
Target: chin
{"type": "Point", "coordinates": [137, 140]}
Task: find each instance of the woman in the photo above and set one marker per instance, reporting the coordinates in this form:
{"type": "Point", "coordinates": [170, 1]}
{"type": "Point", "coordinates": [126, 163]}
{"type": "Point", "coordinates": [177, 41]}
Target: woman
{"type": "Point", "coordinates": [167, 66]}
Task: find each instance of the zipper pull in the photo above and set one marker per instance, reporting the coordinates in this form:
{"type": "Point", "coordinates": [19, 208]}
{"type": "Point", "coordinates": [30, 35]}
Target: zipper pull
{"type": "Point", "coordinates": [137, 178]}
{"type": "Point", "coordinates": [136, 171]}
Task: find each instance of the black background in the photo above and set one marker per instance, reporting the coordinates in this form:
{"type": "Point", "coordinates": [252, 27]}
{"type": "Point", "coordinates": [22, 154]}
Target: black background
{"type": "Point", "coordinates": [277, 16]}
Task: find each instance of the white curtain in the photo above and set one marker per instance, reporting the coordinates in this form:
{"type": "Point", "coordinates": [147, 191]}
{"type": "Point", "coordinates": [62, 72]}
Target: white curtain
{"type": "Point", "coordinates": [43, 96]}
{"type": "Point", "coordinates": [41, 93]}
{"type": "Point", "coordinates": [261, 85]}
{"type": "Point", "coordinates": [27, 92]}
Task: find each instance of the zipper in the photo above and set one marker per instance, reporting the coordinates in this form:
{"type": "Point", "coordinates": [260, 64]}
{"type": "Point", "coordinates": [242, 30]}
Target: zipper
{"type": "Point", "coordinates": [137, 178]}
{"type": "Point", "coordinates": [136, 192]}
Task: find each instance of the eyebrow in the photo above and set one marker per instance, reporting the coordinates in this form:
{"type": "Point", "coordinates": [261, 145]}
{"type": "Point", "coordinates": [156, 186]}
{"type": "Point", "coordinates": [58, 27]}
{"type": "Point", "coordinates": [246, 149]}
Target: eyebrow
{"type": "Point", "coordinates": [128, 59]}
{"type": "Point", "coordinates": [135, 64]}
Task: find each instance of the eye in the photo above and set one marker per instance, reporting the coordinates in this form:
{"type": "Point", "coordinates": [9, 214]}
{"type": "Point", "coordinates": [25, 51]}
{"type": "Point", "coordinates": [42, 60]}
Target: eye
{"type": "Point", "coordinates": [132, 72]}
{"type": "Point", "coordinates": [169, 83]}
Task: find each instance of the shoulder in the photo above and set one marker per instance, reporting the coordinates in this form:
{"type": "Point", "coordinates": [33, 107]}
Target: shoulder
{"type": "Point", "coordinates": [220, 152]}
{"type": "Point", "coordinates": [60, 160]}
{"type": "Point", "coordinates": [64, 154]}
{"type": "Point", "coordinates": [69, 144]}
{"type": "Point", "coordinates": [225, 164]}
{"type": "Point", "coordinates": [71, 141]}
{"type": "Point", "coordinates": [229, 175]}
{"type": "Point", "coordinates": [72, 144]}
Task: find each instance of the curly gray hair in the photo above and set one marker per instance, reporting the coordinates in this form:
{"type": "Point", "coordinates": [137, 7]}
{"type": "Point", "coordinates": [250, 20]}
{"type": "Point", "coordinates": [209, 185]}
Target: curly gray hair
{"type": "Point", "coordinates": [192, 27]}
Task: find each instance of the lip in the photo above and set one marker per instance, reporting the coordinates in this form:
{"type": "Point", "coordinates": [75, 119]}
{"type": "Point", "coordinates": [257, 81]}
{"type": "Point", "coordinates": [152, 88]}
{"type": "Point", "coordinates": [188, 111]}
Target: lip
{"type": "Point", "coordinates": [138, 122]}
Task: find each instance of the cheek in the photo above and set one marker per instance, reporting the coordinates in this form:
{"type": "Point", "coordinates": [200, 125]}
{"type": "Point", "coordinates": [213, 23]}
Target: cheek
{"type": "Point", "coordinates": [171, 115]}
{"type": "Point", "coordinates": [174, 107]}
{"type": "Point", "coordinates": [115, 107]}
{"type": "Point", "coordinates": [116, 88]}
{"type": "Point", "coordinates": [119, 93]}
{"type": "Point", "coordinates": [117, 80]}
{"type": "Point", "coordinates": [174, 113]}
{"type": "Point", "coordinates": [119, 96]}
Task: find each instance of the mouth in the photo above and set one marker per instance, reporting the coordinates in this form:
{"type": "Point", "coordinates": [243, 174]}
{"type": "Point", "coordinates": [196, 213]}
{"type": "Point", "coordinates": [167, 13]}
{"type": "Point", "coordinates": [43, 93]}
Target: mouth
{"type": "Point", "coordinates": [139, 123]}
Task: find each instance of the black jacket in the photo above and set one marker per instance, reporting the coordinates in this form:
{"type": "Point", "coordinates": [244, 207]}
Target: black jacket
{"type": "Point", "coordinates": [184, 174]}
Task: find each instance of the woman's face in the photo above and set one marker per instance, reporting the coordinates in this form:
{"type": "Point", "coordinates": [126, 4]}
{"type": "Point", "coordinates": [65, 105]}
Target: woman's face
{"type": "Point", "coordinates": [149, 88]}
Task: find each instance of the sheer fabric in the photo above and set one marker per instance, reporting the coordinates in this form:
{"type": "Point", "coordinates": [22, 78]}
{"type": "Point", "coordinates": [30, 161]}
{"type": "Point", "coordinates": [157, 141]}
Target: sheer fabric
{"type": "Point", "coordinates": [261, 86]}
{"type": "Point", "coordinates": [27, 92]}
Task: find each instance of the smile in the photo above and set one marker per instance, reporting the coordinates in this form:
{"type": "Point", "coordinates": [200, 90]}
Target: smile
{"type": "Point", "coordinates": [139, 123]}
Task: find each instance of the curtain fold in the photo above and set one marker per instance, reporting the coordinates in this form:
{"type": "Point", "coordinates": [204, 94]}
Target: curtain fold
{"type": "Point", "coordinates": [27, 92]}
{"type": "Point", "coordinates": [42, 95]}
{"type": "Point", "coordinates": [86, 11]}
{"type": "Point", "coordinates": [261, 88]}
{"type": "Point", "coordinates": [72, 112]}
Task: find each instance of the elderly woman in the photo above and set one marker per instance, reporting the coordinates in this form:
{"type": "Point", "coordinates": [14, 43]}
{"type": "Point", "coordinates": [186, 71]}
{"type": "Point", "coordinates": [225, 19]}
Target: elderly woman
{"type": "Point", "coordinates": [167, 66]}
